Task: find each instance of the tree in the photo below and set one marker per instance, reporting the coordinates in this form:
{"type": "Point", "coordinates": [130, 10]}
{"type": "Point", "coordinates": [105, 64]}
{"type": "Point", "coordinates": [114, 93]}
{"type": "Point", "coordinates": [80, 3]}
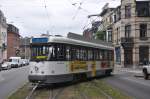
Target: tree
{"type": "Point", "coordinates": [100, 35]}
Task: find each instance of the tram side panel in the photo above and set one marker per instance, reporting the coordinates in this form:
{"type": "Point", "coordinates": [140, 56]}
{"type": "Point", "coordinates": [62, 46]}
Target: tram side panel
{"type": "Point", "coordinates": [61, 71]}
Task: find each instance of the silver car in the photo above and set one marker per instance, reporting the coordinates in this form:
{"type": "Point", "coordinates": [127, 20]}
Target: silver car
{"type": "Point", "coordinates": [6, 66]}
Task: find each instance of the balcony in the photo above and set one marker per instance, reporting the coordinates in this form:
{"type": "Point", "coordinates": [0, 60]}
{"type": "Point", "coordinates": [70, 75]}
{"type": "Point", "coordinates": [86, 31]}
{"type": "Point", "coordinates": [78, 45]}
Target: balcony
{"type": "Point", "coordinates": [127, 42]}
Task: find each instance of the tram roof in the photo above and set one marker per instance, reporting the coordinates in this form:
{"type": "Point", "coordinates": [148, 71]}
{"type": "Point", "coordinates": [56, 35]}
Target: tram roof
{"type": "Point", "coordinates": [66, 40]}
{"type": "Point", "coordinates": [78, 42]}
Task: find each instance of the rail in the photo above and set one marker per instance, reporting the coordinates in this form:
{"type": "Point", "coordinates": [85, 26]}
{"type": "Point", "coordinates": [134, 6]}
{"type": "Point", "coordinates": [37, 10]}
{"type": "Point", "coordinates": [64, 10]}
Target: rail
{"type": "Point", "coordinates": [32, 91]}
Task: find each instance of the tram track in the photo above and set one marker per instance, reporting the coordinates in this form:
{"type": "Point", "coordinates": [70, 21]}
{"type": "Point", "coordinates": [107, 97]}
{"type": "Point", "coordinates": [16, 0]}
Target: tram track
{"type": "Point", "coordinates": [95, 85]}
{"type": "Point", "coordinates": [55, 93]}
{"type": "Point", "coordinates": [82, 94]}
{"type": "Point", "coordinates": [30, 95]}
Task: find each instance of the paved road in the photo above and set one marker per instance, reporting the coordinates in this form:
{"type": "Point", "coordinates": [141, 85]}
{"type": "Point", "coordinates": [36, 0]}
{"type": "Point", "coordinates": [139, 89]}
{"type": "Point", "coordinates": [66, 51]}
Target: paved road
{"type": "Point", "coordinates": [136, 87]}
{"type": "Point", "coordinates": [11, 80]}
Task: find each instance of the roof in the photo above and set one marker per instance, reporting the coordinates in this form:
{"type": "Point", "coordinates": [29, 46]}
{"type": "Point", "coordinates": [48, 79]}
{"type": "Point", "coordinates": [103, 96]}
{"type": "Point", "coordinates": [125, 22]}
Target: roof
{"type": "Point", "coordinates": [77, 42]}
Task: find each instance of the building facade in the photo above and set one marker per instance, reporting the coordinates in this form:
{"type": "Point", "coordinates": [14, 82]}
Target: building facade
{"type": "Point", "coordinates": [131, 33]}
{"type": "Point", "coordinates": [13, 41]}
{"type": "Point", "coordinates": [106, 23]}
{"type": "Point", "coordinates": [25, 51]}
{"type": "Point", "coordinates": [128, 28]}
{"type": "Point", "coordinates": [3, 37]}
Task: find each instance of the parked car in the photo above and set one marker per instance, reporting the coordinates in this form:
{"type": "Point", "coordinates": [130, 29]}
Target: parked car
{"type": "Point", "coordinates": [0, 66]}
{"type": "Point", "coordinates": [25, 62]}
{"type": "Point", "coordinates": [6, 66]}
{"type": "Point", "coordinates": [15, 61]}
{"type": "Point", "coordinates": [146, 71]}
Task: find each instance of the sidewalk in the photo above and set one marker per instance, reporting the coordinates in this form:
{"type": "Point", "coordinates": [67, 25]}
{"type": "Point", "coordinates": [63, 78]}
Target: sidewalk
{"type": "Point", "coordinates": [131, 70]}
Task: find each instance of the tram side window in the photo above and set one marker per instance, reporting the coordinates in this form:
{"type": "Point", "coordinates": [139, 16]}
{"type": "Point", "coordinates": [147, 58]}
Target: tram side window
{"type": "Point", "coordinates": [97, 55]}
{"type": "Point", "coordinates": [68, 53]}
{"type": "Point", "coordinates": [90, 54]}
{"type": "Point", "coordinates": [100, 55]}
{"type": "Point", "coordinates": [110, 55]}
{"type": "Point", "coordinates": [61, 54]}
{"type": "Point", "coordinates": [84, 54]}
{"type": "Point", "coordinates": [78, 53]}
{"type": "Point", "coordinates": [81, 54]}
{"type": "Point", "coordinates": [52, 53]}
{"type": "Point", "coordinates": [105, 55]}
{"type": "Point", "coordinates": [73, 53]}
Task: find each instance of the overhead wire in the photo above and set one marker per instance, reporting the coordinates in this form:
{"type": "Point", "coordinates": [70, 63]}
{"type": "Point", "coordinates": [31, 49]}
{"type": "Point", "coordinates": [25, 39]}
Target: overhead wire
{"type": "Point", "coordinates": [48, 17]}
{"type": "Point", "coordinates": [91, 21]}
{"type": "Point", "coordinates": [79, 7]}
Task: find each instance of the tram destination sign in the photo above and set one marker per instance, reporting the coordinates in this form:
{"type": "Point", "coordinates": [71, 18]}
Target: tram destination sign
{"type": "Point", "coordinates": [39, 40]}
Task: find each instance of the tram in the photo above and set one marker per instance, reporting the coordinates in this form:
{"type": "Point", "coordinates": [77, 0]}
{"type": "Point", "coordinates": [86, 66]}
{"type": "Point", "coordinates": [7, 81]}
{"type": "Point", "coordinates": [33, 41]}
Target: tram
{"type": "Point", "coordinates": [62, 59]}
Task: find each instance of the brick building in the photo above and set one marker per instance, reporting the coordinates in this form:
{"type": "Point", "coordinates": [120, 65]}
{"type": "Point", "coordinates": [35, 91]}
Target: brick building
{"type": "Point", "coordinates": [90, 33]}
{"type": "Point", "coordinates": [13, 41]}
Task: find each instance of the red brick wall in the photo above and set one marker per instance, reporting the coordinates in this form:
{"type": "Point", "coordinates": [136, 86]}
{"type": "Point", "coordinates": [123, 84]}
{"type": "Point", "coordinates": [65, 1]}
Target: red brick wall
{"type": "Point", "coordinates": [13, 40]}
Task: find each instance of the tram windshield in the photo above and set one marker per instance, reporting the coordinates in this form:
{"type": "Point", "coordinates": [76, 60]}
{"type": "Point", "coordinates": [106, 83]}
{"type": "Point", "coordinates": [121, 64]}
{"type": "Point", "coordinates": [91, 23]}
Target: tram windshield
{"type": "Point", "coordinates": [47, 52]}
{"type": "Point", "coordinates": [41, 52]}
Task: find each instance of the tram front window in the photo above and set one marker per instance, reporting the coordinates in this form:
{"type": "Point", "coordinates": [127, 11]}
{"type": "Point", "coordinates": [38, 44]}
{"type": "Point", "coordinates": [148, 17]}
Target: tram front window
{"type": "Point", "coordinates": [42, 53]}
{"type": "Point", "coordinates": [54, 52]}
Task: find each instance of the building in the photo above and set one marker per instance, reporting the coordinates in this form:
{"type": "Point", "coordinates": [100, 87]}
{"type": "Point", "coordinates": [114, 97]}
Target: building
{"type": "Point", "coordinates": [25, 51]}
{"type": "Point", "coordinates": [87, 33]}
{"type": "Point", "coordinates": [132, 33]}
{"type": "Point", "coordinates": [128, 28]}
{"type": "Point", "coordinates": [90, 33]}
{"type": "Point", "coordinates": [13, 41]}
{"type": "Point", "coordinates": [3, 37]}
{"type": "Point", "coordinates": [106, 26]}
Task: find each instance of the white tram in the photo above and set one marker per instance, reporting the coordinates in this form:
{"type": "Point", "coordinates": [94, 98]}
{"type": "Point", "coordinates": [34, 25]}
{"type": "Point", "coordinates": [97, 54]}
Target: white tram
{"type": "Point", "coordinates": [61, 59]}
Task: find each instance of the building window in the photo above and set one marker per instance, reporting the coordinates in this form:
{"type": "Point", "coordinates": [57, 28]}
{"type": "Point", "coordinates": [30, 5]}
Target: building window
{"type": "Point", "coordinates": [118, 34]}
{"type": "Point", "coordinates": [143, 54]}
{"type": "Point", "coordinates": [143, 30]}
{"type": "Point", "coordinates": [118, 55]}
{"type": "Point", "coordinates": [128, 11]}
{"type": "Point", "coordinates": [115, 19]}
{"type": "Point", "coordinates": [127, 31]}
{"type": "Point", "coordinates": [109, 35]}
{"type": "Point", "coordinates": [143, 9]}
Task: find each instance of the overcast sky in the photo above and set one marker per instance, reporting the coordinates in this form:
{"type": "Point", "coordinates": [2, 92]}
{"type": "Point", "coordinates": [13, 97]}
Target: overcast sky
{"type": "Point", "coordinates": [34, 17]}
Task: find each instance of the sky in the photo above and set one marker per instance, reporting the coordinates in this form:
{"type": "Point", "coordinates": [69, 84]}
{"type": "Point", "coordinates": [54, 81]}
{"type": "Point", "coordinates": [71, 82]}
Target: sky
{"type": "Point", "coordinates": [56, 17]}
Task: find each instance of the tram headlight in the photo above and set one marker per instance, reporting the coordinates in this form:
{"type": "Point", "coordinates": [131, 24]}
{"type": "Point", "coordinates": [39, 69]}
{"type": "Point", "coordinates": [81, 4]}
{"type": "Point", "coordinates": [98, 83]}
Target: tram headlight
{"type": "Point", "coordinates": [42, 72]}
{"type": "Point", "coordinates": [36, 69]}
{"type": "Point", "coordinates": [53, 71]}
